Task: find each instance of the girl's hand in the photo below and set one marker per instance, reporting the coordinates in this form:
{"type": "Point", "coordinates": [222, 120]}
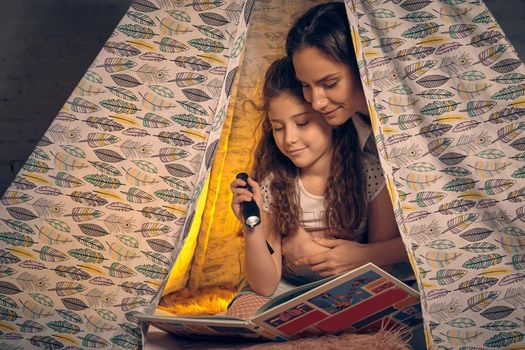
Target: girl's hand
{"type": "Point", "coordinates": [241, 195]}
{"type": "Point", "coordinates": [343, 255]}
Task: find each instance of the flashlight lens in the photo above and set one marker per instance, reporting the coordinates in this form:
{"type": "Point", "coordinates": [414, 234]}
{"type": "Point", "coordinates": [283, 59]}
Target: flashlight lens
{"type": "Point", "coordinates": [252, 221]}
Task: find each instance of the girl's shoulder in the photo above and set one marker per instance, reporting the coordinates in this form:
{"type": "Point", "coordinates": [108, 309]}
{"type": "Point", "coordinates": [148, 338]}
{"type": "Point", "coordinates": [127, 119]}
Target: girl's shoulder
{"type": "Point", "coordinates": [267, 181]}
{"type": "Point", "coordinates": [266, 192]}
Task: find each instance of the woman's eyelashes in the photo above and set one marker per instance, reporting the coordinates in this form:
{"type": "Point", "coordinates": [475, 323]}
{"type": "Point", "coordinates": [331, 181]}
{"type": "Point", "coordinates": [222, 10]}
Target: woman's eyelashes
{"type": "Point", "coordinates": [307, 89]}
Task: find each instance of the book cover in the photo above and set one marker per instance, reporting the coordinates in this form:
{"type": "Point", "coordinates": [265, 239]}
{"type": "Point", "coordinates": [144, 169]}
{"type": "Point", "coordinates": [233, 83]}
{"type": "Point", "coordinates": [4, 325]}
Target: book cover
{"type": "Point", "coordinates": [362, 300]}
{"type": "Point", "coordinates": [209, 326]}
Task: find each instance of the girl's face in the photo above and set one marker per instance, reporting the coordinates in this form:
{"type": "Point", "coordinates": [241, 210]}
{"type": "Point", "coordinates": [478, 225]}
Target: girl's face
{"type": "Point", "coordinates": [300, 132]}
{"type": "Point", "coordinates": [330, 86]}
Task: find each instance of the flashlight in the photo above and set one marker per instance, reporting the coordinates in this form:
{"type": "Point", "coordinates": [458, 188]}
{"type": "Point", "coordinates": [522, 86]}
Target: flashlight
{"type": "Point", "coordinates": [250, 210]}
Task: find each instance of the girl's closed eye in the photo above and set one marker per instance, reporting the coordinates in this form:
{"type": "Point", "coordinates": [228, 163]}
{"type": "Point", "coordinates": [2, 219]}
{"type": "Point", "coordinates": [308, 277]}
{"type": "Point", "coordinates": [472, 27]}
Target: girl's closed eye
{"type": "Point", "coordinates": [302, 123]}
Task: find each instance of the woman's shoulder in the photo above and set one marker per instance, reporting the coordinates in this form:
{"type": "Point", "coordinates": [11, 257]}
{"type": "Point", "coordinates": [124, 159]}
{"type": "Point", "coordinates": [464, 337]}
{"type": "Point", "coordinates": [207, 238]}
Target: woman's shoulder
{"type": "Point", "coordinates": [371, 165]}
{"type": "Point", "coordinates": [374, 176]}
{"type": "Point", "coordinates": [370, 160]}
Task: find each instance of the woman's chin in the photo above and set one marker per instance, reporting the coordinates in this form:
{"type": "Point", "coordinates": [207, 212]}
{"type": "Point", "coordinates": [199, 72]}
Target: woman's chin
{"type": "Point", "coordinates": [337, 119]}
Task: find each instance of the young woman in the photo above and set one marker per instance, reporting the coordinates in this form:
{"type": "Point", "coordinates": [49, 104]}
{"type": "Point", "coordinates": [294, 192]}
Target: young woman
{"type": "Point", "coordinates": [320, 47]}
{"type": "Point", "coordinates": [315, 186]}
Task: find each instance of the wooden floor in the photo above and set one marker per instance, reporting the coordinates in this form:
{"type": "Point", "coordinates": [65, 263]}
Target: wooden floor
{"type": "Point", "coordinates": [159, 340]}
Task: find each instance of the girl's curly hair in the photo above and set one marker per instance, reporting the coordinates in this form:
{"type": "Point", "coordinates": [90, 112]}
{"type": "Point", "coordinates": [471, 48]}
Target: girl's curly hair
{"type": "Point", "coordinates": [345, 190]}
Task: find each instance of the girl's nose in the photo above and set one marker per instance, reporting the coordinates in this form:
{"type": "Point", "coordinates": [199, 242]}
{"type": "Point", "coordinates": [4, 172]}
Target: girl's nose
{"type": "Point", "coordinates": [290, 136]}
{"type": "Point", "coordinates": [319, 100]}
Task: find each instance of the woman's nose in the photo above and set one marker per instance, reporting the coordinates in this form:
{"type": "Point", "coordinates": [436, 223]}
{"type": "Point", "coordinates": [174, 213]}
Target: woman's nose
{"type": "Point", "coordinates": [319, 100]}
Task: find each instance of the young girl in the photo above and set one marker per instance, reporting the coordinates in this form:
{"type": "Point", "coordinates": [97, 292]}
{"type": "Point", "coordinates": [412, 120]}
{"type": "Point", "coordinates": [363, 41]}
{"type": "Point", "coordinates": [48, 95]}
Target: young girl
{"type": "Point", "coordinates": [315, 184]}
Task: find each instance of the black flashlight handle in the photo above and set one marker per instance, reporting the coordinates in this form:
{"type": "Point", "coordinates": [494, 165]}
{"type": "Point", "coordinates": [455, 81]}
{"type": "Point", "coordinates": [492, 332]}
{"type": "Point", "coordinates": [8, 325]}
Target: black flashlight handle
{"type": "Point", "coordinates": [250, 210]}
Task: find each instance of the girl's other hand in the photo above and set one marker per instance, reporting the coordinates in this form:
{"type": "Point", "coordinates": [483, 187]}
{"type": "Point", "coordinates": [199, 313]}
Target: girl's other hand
{"type": "Point", "coordinates": [241, 194]}
{"type": "Point", "coordinates": [343, 255]}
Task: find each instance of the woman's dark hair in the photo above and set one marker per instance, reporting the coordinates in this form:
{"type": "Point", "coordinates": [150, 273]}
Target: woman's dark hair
{"type": "Point", "coordinates": [326, 28]}
{"type": "Point", "coordinates": [345, 188]}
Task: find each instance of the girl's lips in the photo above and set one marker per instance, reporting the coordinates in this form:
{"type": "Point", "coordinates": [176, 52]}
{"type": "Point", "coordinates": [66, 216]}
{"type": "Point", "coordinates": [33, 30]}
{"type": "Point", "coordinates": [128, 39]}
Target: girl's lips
{"type": "Point", "coordinates": [295, 151]}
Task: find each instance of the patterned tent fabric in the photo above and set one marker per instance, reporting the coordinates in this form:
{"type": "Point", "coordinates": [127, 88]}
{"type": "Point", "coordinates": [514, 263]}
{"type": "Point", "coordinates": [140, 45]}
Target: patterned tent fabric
{"type": "Point", "coordinates": [446, 90]}
{"type": "Point", "coordinates": [94, 220]}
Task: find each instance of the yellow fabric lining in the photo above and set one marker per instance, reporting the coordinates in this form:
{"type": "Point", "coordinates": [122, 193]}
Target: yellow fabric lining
{"type": "Point", "coordinates": [219, 257]}
{"type": "Point", "coordinates": [179, 275]}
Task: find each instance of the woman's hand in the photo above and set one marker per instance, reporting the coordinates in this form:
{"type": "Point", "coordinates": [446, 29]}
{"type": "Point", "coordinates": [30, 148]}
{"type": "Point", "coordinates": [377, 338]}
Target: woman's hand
{"type": "Point", "coordinates": [301, 244]}
{"type": "Point", "coordinates": [343, 255]}
{"type": "Point", "coordinates": [241, 195]}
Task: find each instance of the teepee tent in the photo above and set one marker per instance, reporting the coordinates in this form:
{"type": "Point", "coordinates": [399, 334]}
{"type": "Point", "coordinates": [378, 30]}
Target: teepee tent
{"type": "Point", "coordinates": [131, 177]}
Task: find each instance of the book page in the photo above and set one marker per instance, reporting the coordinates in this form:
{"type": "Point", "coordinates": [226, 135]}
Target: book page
{"type": "Point", "coordinates": [361, 300]}
{"type": "Point", "coordinates": [291, 294]}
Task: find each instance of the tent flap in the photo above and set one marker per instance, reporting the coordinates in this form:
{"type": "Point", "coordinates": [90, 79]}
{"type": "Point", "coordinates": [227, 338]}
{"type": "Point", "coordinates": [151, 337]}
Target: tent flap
{"type": "Point", "coordinates": [445, 91]}
{"type": "Point", "coordinates": [94, 220]}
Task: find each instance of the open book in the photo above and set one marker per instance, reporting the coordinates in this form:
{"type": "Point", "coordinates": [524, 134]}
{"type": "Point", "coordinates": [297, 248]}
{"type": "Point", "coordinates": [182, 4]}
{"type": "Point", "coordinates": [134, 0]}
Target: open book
{"type": "Point", "coordinates": [362, 300]}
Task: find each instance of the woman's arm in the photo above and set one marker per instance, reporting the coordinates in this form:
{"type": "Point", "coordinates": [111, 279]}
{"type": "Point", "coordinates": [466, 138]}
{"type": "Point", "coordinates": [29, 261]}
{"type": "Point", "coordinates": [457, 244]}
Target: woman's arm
{"type": "Point", "coordinates": [385, 246]}
{"type": "Point", "coordinates": [262, 269]}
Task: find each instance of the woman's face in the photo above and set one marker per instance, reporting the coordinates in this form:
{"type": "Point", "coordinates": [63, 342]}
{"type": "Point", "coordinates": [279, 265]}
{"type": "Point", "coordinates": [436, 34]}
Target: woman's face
{"type": "Point", "coordinates": [330, 86]}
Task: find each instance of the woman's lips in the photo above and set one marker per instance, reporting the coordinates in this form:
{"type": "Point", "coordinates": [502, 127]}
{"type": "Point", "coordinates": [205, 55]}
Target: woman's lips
{"type": "Point", "coordinates": [330, 114]}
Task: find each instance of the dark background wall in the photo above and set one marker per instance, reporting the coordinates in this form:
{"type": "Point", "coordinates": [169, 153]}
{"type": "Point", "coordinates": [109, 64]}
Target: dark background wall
{"type": "Point", "coordinates": [47, 45]}
{"type": "Point", "coordinates": [45, 48]}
